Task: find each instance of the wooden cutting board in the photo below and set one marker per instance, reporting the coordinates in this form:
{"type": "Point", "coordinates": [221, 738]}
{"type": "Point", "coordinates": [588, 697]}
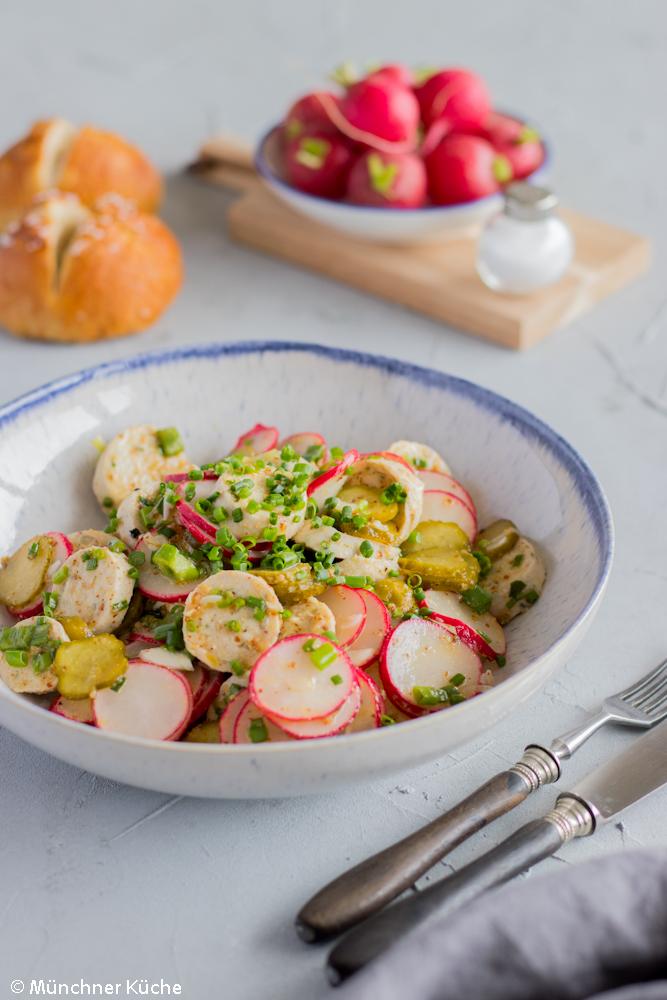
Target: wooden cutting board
{"type": "Point", "coordinates": [436, 279]}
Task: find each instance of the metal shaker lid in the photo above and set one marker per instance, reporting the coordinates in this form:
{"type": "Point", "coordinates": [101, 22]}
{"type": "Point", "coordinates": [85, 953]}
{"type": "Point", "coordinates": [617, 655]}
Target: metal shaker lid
{"type": "Point", "coordinates": [529, 202]}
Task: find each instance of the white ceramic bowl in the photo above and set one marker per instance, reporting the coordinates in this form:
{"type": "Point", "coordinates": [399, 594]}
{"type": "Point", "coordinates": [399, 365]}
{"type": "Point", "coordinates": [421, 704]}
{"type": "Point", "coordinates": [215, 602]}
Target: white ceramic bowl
{"type": "Point", "coordinates": [429, 224]}
{"type": "Point", "coordinates": [513, 464]}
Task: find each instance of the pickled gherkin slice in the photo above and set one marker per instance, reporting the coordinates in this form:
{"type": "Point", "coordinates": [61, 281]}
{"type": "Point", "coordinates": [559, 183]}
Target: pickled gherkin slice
{"type": "Point", "coordinates": [456, 569]}
{"type": "Point", "coordinates": [498, 538]}
{"type": "Point", "coordinates": [292, 584]}
{"type": "Point", "coordinates": [368, 501]}
{"type": "Point", "coordinates": [435, 535]}
{"type": "Point", "coordinates": [76, 628]}
{"type": "Point", "coordinates": [22, 575]}
{"type": "Point", "coordinates": [84, 665]}
{"type": "Point", "coordinates": [396, 594]}
{"type": "Point", "coordinates": [205, 732]}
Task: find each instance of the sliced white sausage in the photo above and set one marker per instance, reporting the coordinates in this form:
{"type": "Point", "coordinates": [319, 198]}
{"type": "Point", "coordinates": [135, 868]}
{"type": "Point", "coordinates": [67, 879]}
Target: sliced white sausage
{"type": "Point", "coordinates": [91, 537]}
{"type": "Point", "coordinates": [246, 492]}
{"type": "Point", "coordinates": [379, 472]}
{"type": "Point", "coordinates": [94, 584]}
{"type": "Point", "coordinates": [375, 567]}
{"type": "Point", "coordinates": [133, 459]}
{"type": "Point", "coordinates": [130, 523]}
{"type": "Point", "coordinates": [515, 581]}
{"type": "Point", "coordinates": [309, 616]}
{"type": "Point", "coordinates": [33, 678]}
{"type": "Point", "coordinates": [349, 547]}
{"type": "Point", "coordinates": [230, 619]}
{"type": "Point", "coordinates": [421, 456]}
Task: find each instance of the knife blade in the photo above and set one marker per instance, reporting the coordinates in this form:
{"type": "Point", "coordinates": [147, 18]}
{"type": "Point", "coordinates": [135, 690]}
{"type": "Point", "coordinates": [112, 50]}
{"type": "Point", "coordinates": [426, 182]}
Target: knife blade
{"type": "Point", "coordinates": [614, 786]}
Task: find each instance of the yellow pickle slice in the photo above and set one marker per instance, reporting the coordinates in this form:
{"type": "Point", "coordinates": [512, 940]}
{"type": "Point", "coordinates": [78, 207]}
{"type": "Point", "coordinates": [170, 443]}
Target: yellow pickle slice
{"type": "Point", "coordinates": [84, 665]}
{"type": "Point", "coordinates": [23, 573]}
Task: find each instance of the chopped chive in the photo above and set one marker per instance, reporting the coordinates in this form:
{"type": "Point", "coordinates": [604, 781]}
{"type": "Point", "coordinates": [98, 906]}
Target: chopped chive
{"type": "Point", "coordinates": [33, 551]}
{"type": "Point", "coordinates": [478, 599]}
{"type": "Point", "coordinates": [16, 657]}
{"type": "Point", "coordinates": [233, 625]}
{"type": "Point", "coordinates": [336, 679]}
{"type": "Point", "coordinates": [119, 605]}
{"type": "Point", "coordinates": [238, 668]}
{"type": "Point", "coordinates": [257, 731]}
{"type": "Point", "coordinates": [323, 656]}
{"type": "Point", "coordinates": [61, 575]}
{"type": "Point", "coordinates": [366, 549]}
{"type": "Point", "coordinates": [118, 683]}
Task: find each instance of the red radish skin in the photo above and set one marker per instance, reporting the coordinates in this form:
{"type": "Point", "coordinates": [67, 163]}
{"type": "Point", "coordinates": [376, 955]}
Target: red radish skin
{"type": "Point", "coordinates": [369, 643]}
{"type": "Point", "coordinates": [329, 483]}
{"type": "Point", "coordinates": [456, 96]}
{"type": "Point", "coordinates": [184, 477]}
{"type": "Point", "coordinates": [379, 113]}
{"type": "Point", "coordinates": [21, 613]}
{"type": "Point", "coordinates": [391, 456]}
{"type": "Point", "coordinates": [153, 703]}
{"type": "Point", "coordinates": [518, 142]}
{"type": "Point", "coordinates": [397, 72]}
{"type": "Point", "coordinates": [141, 634]}
{"type": "Point", "coordinates": [441, 506]}
{"type": "Point", "coordinates": [250, 713]}
{"type": "Point", "coordinates": [371, 708]}
{"type": "Point", "coordinates": [349, 610]}
{"type": "Point", "coordinates": [258, 439]}
{"type": "Point", "coordinates": [200, 529]}
{"type": "Point", "coordinates": [443, 481]}
{"type": "Point", "coordinates": [308, 115]}
{"type": "Point", "coordinates": [318, 163]}
{"type": "Point", "coordinates": [387, 180]}
{"type": "Point", "coordinates": [463, 168]}
{"type": "Point", "coordinates": [286, 684]}
{"type": "Point", "coordinates": [331, 725]}
{"type": "Point", "coordinates": [79, 710]}
{"type": "Point", "coordinates": [465, 633]}
{"type": "Point", "coordinates": [421, 652]}
{"type": "Point", "coordinates": [231, 714]}
{"type": "Point", "coordinates": [205, 695]}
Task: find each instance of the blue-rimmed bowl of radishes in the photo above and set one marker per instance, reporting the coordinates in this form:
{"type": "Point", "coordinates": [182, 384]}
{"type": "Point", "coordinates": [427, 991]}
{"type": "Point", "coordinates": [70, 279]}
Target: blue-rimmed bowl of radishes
{"type": "Point", "coordinates": [399, 157]}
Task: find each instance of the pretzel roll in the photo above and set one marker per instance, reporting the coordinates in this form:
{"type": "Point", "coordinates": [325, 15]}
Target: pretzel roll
{"type": "Point", "coordinates": [99, 162]}
{"type": "Point", "coordinates": [72, 273]}
{"type": "Point", "coordinates": [87, 162]}
{"type": "Point", "coordinates": [32, 165]}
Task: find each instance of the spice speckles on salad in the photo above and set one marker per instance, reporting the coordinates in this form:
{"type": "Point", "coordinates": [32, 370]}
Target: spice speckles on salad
{"type": "Point", "coordinates": [288, 591]}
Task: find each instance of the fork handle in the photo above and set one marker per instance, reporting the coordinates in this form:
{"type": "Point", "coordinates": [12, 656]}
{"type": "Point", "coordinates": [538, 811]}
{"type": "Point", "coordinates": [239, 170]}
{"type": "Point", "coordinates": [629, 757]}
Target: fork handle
{"type": "Point", "coordinates": [373, 883]}
{"type": "Point", "coordinates": [564, 746]}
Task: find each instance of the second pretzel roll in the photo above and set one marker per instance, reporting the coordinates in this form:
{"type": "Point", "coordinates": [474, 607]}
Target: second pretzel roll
{"type": "Point", "coordinates": [77, 274]}
{"type": "Point", "coordinates": [88, 162]}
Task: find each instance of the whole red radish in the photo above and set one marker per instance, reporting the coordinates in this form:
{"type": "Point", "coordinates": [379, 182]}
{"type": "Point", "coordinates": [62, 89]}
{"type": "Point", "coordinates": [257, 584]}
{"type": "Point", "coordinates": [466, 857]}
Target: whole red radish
{"type": "Point", "coordinates": [517, 141]}
{"type": "Point", "coordinates": [318, 164]}
{"type": "Point", "coordinates": [398, 72]}
{"type": "Point", "coordinates": [308, 115]}
{"type": "Point", "coordinates": [463, 168]}
{"type": "Point", "coordinates": [388, 180]}
{"type": "Point", "coordinates": [379, 112]}
{"type": "Point", "coordinates": [456, 96]}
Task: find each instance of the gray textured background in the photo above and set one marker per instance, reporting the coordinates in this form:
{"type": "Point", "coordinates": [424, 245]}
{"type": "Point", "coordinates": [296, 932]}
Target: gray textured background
{"type": "Point", "coordinates": [106, 882]}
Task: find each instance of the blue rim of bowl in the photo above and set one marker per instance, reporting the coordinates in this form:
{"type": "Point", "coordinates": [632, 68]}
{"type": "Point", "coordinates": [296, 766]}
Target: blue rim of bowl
{"type": "Point", "coordinates": [274, 180]}
{"type": "Point", "coordinates": [586, 483]}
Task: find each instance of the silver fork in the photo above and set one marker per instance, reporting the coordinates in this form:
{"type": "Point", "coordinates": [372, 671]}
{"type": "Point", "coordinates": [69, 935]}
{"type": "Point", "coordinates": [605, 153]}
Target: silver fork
{"type": "Point", "coordinates": [373, 883]}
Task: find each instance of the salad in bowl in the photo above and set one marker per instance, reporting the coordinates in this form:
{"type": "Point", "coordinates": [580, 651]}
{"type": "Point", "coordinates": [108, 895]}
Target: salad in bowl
{"type": "Point", "coordinates": [291, 590]}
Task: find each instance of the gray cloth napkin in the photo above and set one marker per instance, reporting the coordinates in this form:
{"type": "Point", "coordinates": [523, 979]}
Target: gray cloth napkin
{"type": "Point", "coordinates": [597, 930]}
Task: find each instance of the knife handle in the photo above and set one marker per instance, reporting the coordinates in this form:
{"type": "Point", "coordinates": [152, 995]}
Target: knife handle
{"type": "Point", "coordinates": [530, 844]}
{"type": "Point", "coordinates": [373, 883]}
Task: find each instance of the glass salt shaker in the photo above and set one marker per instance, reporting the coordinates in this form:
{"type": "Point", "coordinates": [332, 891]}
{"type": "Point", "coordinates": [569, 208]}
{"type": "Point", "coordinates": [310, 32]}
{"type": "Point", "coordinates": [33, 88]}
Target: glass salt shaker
{"type": "Point", "coordinates": [526, 246]}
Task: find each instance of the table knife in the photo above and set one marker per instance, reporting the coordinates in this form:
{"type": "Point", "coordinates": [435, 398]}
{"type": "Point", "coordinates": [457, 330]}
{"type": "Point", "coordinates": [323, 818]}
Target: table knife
{"type": "Point", "coordinates": [599, 798]}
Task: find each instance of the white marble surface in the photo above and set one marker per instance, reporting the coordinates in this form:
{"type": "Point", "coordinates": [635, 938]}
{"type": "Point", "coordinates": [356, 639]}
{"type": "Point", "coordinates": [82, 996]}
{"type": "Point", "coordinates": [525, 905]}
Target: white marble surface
{"type": "Point", "coordinates": [105, 882]}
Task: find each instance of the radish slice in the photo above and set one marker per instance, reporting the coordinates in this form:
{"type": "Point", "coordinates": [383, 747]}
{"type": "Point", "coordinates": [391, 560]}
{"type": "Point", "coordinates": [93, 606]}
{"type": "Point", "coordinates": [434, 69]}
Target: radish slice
{"type": "Point", "coordinates": [443, 481]}
{"type": "Point", "coordinates": [61, 550]}
{"type": "Point", "coordinates": [305, 440]}
{"type": "Point", "coordinates": [200, 529]}
{"type": "Point", "coordinates": [153, 702]}
{"type": "Point", "coordinates": [421, 652]}
{"type": "Point", "coordinates": [253, 727]}
{"type": "Point", "coordinates": [141, 634]}
{"type": "Point", "coordinates": [34, 609]}
{"type": "Point", "coordinates": [164, 657]}
{"type": "Point", "coordinates": [206, 694]}
{"type": "Point", "coordinates": [153, 583]}
{"type": "Point", "coordinates": [287, 682]}
{"type": "Point", "coordinates": [441, 506]}
{"type": "Point", "coordinates": [367, 646]}
{"type": "Point", "coordinates": [371, 708]}
{"type": "Point", "coordinates": [329, 483]}
{"type": "Point", "coordinates": [482, 631]}
{"type": "Point", "coordinates": [330, 725]}
{"type": "Point", "coordinates": [184, 477]}
{"type": "Point", "coordinates": [257, 440]}
{"type": "Point", "coordinates": [349, 610]}
{"type": "Point", "coordinates": [79, 710]}
{"type": "Point", "coordinates": [231, 714]}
